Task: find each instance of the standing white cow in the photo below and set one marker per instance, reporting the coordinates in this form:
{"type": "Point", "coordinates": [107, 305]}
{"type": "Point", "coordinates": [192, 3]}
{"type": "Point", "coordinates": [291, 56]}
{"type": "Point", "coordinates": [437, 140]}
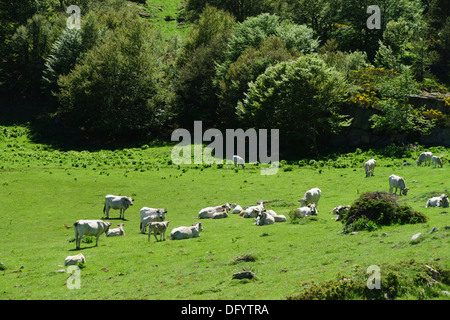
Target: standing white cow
{"type": "Point", "coordinates": [238, 161]}
{"type": "Point", "coordinates": [437, 161]}
{"type": "Point", "coordinates": [186, 232]}
{"type": "Point", "coordinates": [441, 201]}
{"type": "Point", "coordinates": [424, 157]}
{"type": "Point", "coordinates": [88, 228]}
{"type": "Point", "coordinates": [311, 196]}
{"type": "Point", "coordinates": [149, 215]}
{"type": "Point", "coordinates": [397, 183]}
{"type": "Point", "coordinates": [209, 212]}
{"type": "Point", "coordinates": [118, 203]}
{"type": "Point", "coordinates": [369, 166]}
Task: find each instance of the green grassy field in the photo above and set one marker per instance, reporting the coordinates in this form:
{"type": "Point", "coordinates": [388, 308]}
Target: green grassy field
{"type": "Point", "coordinates": [42, 188]}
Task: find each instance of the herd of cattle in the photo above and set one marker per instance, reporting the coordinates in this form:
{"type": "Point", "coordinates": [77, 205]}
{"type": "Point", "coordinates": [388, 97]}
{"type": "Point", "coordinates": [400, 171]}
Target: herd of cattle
{"type": "Point", "coordinates": [155, 218]}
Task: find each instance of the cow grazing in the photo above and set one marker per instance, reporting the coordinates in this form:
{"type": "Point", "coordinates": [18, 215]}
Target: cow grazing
{"type": "Point", "coordinates": [441, 201]}
{"type": "Point", "coordinates": [311, 196]}
{"type": "Point", "coordinates": [264, 218]}
{"type": "Point", "coordinates": [235, 208]}
{"type": "Point", "coordinates": [73, 260]}
{"type": "Point", "coordinates": [116, 231]}
{"type": "Point", "coordinates": [238, 161]}
{"type": "Point", "coordinates": [340, 211]}
{"type": "Point", "coordinates": [369, 167]}
{"type": "Point", "coordinates": [309, 210]}
{"type": "Point", "coordinates": [397, 183]}
{"type": "Point", "coordinates": [88, 228]}
{"type": "Point", "coordinates": [118, 203]}
{"type": "Point", "coordinates": [436, 161]}
{"type": "Point", "coordinates": [149, 215]}
{"type": "Point", "coordinates": [208, 212]}
{"type": "Point", "coordinates": [160, 228]}
{"type": "Point", "coordinates": [186, 232]}
{"type": "Point", "coordinates": [424, 157]}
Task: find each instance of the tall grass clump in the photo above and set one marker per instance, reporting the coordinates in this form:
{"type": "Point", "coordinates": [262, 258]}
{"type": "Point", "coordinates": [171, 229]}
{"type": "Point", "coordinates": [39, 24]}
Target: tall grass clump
{"type": "Point", "coordinates": [374, 209]}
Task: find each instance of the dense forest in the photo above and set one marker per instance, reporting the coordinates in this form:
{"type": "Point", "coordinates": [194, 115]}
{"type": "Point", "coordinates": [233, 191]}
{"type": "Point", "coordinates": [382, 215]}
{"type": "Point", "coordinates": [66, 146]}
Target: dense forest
{"type": "Point", "coordinates": [294, 65]}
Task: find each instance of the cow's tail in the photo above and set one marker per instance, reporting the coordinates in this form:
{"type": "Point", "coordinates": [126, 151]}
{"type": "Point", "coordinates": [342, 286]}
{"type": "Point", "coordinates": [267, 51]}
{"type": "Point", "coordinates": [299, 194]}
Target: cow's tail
{"type": "Point", "coordinates": [66, 226]}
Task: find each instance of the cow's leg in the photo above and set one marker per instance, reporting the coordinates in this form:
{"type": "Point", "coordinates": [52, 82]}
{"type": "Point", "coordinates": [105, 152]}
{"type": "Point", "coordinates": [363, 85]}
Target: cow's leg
{"type": "Point", "coordinates": [107, 212]}
{"type": "Point", "coordinates": [96, 240]}
{"type": "Point", "coordinates": [154, 233]}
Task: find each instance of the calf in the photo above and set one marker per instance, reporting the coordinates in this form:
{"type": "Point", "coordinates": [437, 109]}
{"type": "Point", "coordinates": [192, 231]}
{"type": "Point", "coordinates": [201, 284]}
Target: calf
{"type": "Point", "coordinates": [88, 228]}
{"type": "Point", "coordinates": [436, 161]}
{"type": "Point", "coordinates": [118, 203]}
{"type": "Point", "coordinates": [424, 157]}
{"type": "Point", "coordinates": [397, 183]}
{"type": "Point", "coordinates": [186, 232]}
{"type": "Point", "coordinates": [160, 228]}
{"type": "Point", "coordinates": [441, 201]}
{"type": "Point", "coordinates": [149, 215]}
{"type": "Point", "coordinates": [369, 166]}
{"type": "Point", "coordinates": [116, 231]}
{"type": "Point", "coordinates": [311, 196]}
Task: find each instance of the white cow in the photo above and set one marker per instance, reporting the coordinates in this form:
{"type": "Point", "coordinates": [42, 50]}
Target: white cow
{"type": "Point", "coordinates": [73, 260]}
{"type": "Point", "coordinates": [118, 203]}
{"type": "Point", "coordinates": [424, 157]}
{"type": "Point", "coordinates": [397, 183]}
{"type": "Point", "coordinates": [369, 166]}
{"type": "Point", "coordinates": [149, 215]}
{"type": "Point", "coordinates": [88, 228]}
{"type": "Point", "coordinates": [311, 196]}
{"type": "Point", "coordinates": [160, 228]}
{"type": "Point", "coordinates": [340, 211]}
{"type": "Point", "coordinates": [208, 212]}
{"type": "Point", "coordinates": [441, 201]}
{"type": "Point", "coordinates": [437, 161]}
{"type": "Point", "coordinates": [264, 218]}
{"type": "Point", "coordinates": [220, 215]}
{"type": "Point", "coordinates": [186, 232]}
{"type": "Point", "coordinates": [116, 231]}
{"type": "Point", "coordinates": [235, 208]}
{"type": "Point", "coordinates": [252, 211]}
{"type": "Point", "coordinates": [309, 210]}
{"type": "Point", "coordinates": [238, 161]}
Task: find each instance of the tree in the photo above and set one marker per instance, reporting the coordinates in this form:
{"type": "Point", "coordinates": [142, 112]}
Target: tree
{"type": "Point", "coordinates": [300, 97]}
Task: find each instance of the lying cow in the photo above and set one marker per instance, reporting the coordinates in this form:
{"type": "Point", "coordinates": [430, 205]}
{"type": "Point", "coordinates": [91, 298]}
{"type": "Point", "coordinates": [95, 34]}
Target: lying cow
{"type": "Point", "coordinates": [441, 201]}
{"type": "Point", "coordinates": [116, 231]}
{"type": "Point", "coordinates": [186, 232]}
{"type": "Point", "coordinates": [277, 217]}
{"type": "Point", "coordinates": [118, 203]}
{"type": "Point", "coordinates": [311, 196]}
{"type": "Point", "coordinates": [252, 211]}
{"type": "Point", "coordinates": [424, 157]}
{"type": "Point", "coordinates": [220, 215]}
{"type": "Point", "coordinates": [238, 161]}
{"type": "Point", "coordinates": [397, 183]}
{"type": "Point", "coordinates": [369, 167]}
{"type": "Point", "coordinates": [88, 228]}
{"type": "Point", "coordinates": [436, 161]}
{"type": "Point", "coordinates": [149, 215]}
{"type": "Point", "coordinates": [73, 260]}
{"type": "Point", "coordinates": [208, 212]}
{"type": "Point", "coordinates": [309, 210]}
{"type": "Point", "coordinates": [264, 218]}
{"type": "Point", "coordinates": [160, 228]}
{"type": "Point", "coordinates": [235, 208]}
{"type": "Point", "coordinates": [340, 211]}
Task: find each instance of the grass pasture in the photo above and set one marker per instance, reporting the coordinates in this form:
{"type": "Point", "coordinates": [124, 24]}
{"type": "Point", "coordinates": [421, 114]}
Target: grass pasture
{"type": "Point", "coordinates": [42, 188]}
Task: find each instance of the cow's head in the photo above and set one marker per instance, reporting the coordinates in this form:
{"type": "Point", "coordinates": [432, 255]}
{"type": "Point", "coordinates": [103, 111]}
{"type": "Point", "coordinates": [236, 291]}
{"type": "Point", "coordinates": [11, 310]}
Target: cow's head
{"type": "Point", "coordinates": [107, 225]}
{"type": "Point", "coordinates": [444, 201]}
{"type": "Point", "coordinates": [198, 225]}
{"type": "Point", "coordinates": [226, 207]}
{"type": "Point", "coordinates": [313, 209]}
{"type": "Point", "coordinates": [130, 201]}
{"type": "Point", "coordinates": [302, 202]}
{"type": "Point", "coordinates": [405, 191]}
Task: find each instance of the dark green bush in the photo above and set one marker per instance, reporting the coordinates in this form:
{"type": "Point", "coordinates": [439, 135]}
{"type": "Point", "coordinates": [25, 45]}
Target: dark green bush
{"type": "Point", "coordinates": [376, 209]}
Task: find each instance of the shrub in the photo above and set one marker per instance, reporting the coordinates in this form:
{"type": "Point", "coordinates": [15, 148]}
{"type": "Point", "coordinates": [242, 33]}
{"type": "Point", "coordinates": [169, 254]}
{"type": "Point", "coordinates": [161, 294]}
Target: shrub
{"type": "Point", "coordinates": [375, 209]}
